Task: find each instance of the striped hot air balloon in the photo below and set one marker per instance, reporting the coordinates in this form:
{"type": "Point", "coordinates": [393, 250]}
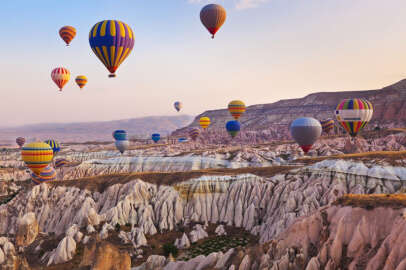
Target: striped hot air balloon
{"type": "Point", "coordinates": [20, 141]}
{"type": "Point", "coordinates": [156, 137]}
{"type": "Point", "coordinates": [305, 131]}
{"type": "Point", "coordinates": [204, 122]}
{"type": "Point", "coordinates": [213, 17]}
{"type": "Point", "coordinates": [327, 125]}
{"type": "Point", "coordinates": [67, 33]}
{"type": "Point", "coordinates": [61, 162]}
{"type": "Point", "coordinates": [54, 145]}
{"type": "Point", "coordinates": [81, 81]}
{"type": "Point", "coordinates": [233, 127]}
{"type": "Point", "coordinates": [178, 105]}
{"type": "Point", "coordinates": [37, 156]}
{"type": "Point", "coordinates": [60, 76]}
{"type": "Point", "coordinates": [46, 175]}
{"type": "Point", "coordinates": [112, 41]}
{"type": "Point", "coordinates": [236, 108]}
{"type": "Point", "coordinates": [354, 114]}
{"type": "Point", "coordinates": [194, 133]}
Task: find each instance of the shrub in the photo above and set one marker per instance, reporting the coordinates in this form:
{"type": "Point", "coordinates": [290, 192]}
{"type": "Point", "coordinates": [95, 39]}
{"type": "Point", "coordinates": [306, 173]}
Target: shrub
{"type": "Point", "coordinates": [118, 227]}
{"type": "Point", "coordinates": [170, 248]}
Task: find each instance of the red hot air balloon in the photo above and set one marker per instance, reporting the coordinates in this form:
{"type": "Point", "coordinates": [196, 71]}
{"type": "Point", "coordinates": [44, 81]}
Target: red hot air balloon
{"type": "Point", "coordinates": [67, 33]}
{"type": "Point", "coordinates": [60, 76]}
{"type": "Point", "coordinates": [213, 17]}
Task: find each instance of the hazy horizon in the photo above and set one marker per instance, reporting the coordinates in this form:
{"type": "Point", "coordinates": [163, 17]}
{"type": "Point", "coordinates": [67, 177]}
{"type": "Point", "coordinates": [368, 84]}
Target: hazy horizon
{"type": "Point", "coordinates": [266, 51]}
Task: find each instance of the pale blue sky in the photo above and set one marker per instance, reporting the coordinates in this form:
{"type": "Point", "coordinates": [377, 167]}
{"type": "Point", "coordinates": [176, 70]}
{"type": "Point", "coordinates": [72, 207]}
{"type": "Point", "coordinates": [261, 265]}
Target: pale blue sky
{"type": "Point", "coordinates": [266, 51]}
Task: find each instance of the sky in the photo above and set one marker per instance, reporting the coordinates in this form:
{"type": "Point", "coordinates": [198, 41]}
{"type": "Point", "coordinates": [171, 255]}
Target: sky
{"type": "Point", "coordinates": [266, 51]}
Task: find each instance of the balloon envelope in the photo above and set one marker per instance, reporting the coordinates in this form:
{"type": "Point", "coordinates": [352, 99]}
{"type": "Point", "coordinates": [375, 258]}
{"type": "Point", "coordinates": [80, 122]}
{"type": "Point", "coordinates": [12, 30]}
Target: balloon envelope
{"type": "Point", "coordinates": [354, 114]}
{"type": "Point", "coordinates": [327, 125]}
{"type": "Point", "coordinates": [60, 76]}
{"type": "Point", "coordinates": [122, 145]}
{"type": "Point", "coordinates": [178, 105]}
{"type": "Point", "coordinates": [46, 175]}
{"type": "Point", "coordinates": [233, 127]}
{"type": "Point", "coordinates": [20, 141]}
{"type": "Point", "coordinates": [182, 140]}
{"type": "Point", "coordinates": [156, 137]}
{"type": "Point", "coordinates": [67, 33]}
{"type": "Point", "coordinates": [236, 108]}
{"type": "Point", "coordinates": [213, 17]}
{"type": "Point", "coordinates": [112, 41]}
{"type": "Point", "coordinates": [61, 162]}
{"type": "Point", "coordinates": [54, 145]}
{"type": "Point", "coordinates": [305, 131]}
{"type": "Point", "coordinates": [194, 133]}
{"type": "Point", "coordinates": [120, 135]}
{"type": "Point", "coordinates": [204, 122]}
{"type": "Point", "coordinates": [37, 156]}
{"type": "Point", "coordinates": [81, 81]}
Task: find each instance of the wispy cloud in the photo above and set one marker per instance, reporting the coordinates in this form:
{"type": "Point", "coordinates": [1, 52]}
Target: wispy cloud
{"type": "Point", "coordinates": [239, 4]}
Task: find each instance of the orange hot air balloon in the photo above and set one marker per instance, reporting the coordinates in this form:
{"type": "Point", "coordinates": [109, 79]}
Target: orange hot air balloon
{"type": "Point", "coordinates": [81, 81]}
{"type": "Point", "coordinates": [204, 122]}
{"type": "Point", "coordinates": [67, 33]}
{"type": "Point", "coordinates": [236, 108]}
{"type": "Point", "coordinates": [213, 17]}
{"type": "Point", "coordinates": [60, 76]}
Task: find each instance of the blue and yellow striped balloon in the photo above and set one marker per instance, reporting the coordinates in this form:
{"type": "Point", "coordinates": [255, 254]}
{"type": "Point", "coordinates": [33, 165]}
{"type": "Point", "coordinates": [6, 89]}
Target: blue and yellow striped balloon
{"type": "Point", "coordinates": [112, 41]}
{"type": "Point", "coordinates": [54, 145]}
{"type": "Point", "coordinates": [48, 174]}
{"type": "Point", "coordinates": [61, 162]}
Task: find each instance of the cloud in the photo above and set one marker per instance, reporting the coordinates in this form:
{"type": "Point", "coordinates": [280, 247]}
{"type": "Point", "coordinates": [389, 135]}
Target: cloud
{"type": "Point", "coordinates": [240, 4]}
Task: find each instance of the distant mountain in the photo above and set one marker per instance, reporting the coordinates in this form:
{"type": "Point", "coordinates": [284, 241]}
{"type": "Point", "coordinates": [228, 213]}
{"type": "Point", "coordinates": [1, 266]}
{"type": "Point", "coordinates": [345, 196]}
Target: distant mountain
{"type": "Point", "coordinates": [96, 131]}
{"type": "Point", "coordinates": [389, 110]}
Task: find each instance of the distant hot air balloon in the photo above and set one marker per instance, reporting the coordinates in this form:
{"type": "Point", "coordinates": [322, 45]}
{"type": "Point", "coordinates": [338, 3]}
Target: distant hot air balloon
{"type": "Point", "coordinates": [305, 131]}
{"type": "Point", "coordinates": [327, 125]}
{"type": "Point", "coordinates": [54, 145]}
{"type": "Point", "coordinates": [46, 175]}
{"type": "Point", "coordinates": [236, 108]}
{"type": "Point", "coordinates": [112, 41]}
{"type": "Point", "coordinates": [37, 156]}
{"type": "Point", "coordinates": [178, 105]}
{"type": "Point", "coordinates": [194, 133]}
{"type": "Point", "coordinates": [354, 114]}
{"type": "Point", "coordinates": [156, 137]}
{"type": "Point", "coordinates": [182, 140]}
{"type": "Point", "coordinates": [120, 135]}
{"type": "Point", "coordinates": [60, 76]}
{"type": "Point", "coordinates": [122, 145]}
{"type": "Point", "coordinates": [204, 122]}
{"type": "Point", "coordinates": [61, 162]}
{"type": "Point", "coordinates": [233, 127]}
{"type": "Point", "coordinates": [213, 17]}
{"type": "Point", "coordinates": [81, 81]}
{"type": "Point", "coordinates": [67, 33]}
{"type": "Point", "coordinates": [20, 141]}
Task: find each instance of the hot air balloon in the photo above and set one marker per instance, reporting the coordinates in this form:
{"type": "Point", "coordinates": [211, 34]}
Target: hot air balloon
{"type": "Point", "coordinates": [327, 125]}
{"type": "Point", "coordinates": [194, 133]}
{"type": "Point", "coordinates": [305, 131]}
{"type": "Point", "coordinates": [122, 145]}
{"type": "Point", "coordinates": [60, 76]}
{"type": "Point", "coordinates": [213, 17]}
{"type": "Point", "coordinates": [54, 145]}
{"type": "Point", "coordinates": [67, 33]}
{"type": "Point", "coordinates": [61, 162]}
{"type": "Point", "coordinates": [37, 156]}
{"type": "Point", "coordinates": [81, 81]}
{"type": "Point", "coordinates": [236, 108]}
{"type": "Point", "coordinates": [178, 105]}
{"type": "Point", "coordinates": [20, 141]}
{"type": "Point", "coordinates": [112, 41]}
{"type": "Point", "coordinates": [233, 127]}
{"type": "Point", "coordinates": [156, 137]}
{"type": "Point", "coordinates": [204, 122]}
{"type": "Point", "coordinates": [182, 140]}
{"type": "Point", "coordinates": [120, 135]}
{"type": "Point", "coordinates": [354, 114]}
{"type": "Point", "coordinates": [48, 174]}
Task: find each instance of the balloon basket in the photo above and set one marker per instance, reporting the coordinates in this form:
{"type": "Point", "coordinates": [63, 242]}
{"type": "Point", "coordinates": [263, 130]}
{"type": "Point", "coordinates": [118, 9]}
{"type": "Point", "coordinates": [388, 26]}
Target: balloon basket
{"type": "Point", "coordinates": [112, 75]}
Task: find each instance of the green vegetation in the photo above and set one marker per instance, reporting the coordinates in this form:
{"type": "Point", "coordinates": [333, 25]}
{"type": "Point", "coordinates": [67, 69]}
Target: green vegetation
{"type": "Point", "coordinates": [170, 248]}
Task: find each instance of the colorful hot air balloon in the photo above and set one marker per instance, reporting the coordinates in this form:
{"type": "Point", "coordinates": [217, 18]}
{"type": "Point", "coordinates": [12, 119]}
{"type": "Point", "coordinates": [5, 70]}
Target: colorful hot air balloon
{"type": "Point", "coordinates": [236, 108]}
{"type": "Point", "coordinates": [20, 141]}
{"type": "Point", "coordinates": [37, 156]}
{"type": "Point", "coordinates": [156, 137]}
{"type": "Point", "coordinates": [305, 131]}
{"type": "Point", "coordinates": [120, 135]}
{"type": "Point", "coordinates": [61, 162]}
{"type": "Point", "coordinates": [327, 125]}
{"type": "Point", "coordinates": [48, 174]}
{"type": "Point", "coordinates": [354, 114]}
{"type": "Point", "coordinates": [67, 33]}
{"type": "Point", "coordinates": [194, 133]}
{"type": "Point", "coordinates": [111, 41]}
{"type": "Point", "coordinates": [178, 105]}
{"type": "Point", "coordinates": [213, 17]}
{"type": "Point", "coordinates": [122, 145]}
{"type": "Point", "coordinates": [60, 76]}
{"type": "Point", "coordinates": [233, 127]}
{"type": "Point", "coordinates": [204, 122]}
{"type": "Point", "coordinates": [81, 81]}
{"type": "Point", "coordinates": [54, 145]}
